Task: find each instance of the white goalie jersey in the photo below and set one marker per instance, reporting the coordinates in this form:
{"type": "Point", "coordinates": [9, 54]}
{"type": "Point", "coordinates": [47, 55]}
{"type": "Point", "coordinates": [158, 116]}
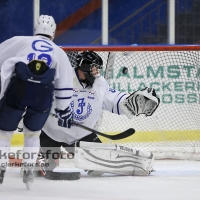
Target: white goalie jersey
{"type": "Point", "coordinates": [87, 104]}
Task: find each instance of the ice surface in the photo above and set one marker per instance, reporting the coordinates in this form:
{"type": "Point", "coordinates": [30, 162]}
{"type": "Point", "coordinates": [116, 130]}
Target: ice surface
{"type": "Point", "coordinates": [172, 180]}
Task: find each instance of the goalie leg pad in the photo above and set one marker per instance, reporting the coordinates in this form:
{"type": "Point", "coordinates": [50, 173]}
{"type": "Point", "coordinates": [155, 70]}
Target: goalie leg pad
{"type": "Point", "coordinates": [113, 161]}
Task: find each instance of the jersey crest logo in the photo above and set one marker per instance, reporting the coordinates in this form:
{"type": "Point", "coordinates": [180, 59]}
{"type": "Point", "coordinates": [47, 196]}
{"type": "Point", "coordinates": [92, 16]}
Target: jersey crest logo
{"type": "Point", "coordinates": [82, 110]}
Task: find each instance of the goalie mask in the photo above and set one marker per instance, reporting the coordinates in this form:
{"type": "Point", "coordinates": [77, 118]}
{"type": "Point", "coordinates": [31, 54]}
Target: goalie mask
{"type": "Point", "coordinates": [90, 63]}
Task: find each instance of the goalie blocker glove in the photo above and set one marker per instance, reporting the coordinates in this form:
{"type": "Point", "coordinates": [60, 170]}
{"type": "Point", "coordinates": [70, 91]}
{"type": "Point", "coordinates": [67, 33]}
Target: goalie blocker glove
{"type": "Point", "coordinates": [65, 118]}
{"type": "Point", "coordinates": [140, 102]}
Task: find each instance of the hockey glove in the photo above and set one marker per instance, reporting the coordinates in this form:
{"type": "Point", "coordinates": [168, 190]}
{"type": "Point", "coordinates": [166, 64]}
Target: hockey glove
{"type": "Point", "coordinates": [140, 102]}
{"type": "Point", "coordinates": [65, 117]}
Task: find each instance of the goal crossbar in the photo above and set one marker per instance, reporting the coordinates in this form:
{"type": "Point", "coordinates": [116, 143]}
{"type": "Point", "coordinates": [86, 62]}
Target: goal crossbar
{"type": "Point", "coordinates": [134, 48]}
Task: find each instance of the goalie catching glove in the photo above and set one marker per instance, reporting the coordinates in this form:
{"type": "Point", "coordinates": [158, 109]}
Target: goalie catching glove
{"type": "Point", "coordinates": [140, 102]}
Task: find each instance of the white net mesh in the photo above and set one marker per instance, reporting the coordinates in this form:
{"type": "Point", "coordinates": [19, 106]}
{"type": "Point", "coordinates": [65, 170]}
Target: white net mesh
{"type": "Point", "coordinates": [173, 131]}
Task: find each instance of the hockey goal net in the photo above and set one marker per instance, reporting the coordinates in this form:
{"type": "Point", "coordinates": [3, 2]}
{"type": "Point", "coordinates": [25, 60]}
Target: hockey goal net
{"type": "Point", "coordinates": [173, 131]}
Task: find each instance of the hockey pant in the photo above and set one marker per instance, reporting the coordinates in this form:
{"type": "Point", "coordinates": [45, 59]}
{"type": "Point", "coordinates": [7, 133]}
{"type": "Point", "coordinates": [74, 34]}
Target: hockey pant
{"type": "Point", "coordinates": [30, 94]}
{"type": "Point", "coordinates": [113, 158]}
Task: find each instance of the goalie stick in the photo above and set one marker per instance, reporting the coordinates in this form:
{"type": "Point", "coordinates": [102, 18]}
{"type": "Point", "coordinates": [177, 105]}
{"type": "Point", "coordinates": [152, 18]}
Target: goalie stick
{"type": "Point", "coordinates": [118, 136]}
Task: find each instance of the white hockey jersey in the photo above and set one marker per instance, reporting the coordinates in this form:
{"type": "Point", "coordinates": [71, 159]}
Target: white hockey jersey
{"type": "Point", "coordinates": [87, 104]}
{"type": "Point", "coordinates": [28, 48]}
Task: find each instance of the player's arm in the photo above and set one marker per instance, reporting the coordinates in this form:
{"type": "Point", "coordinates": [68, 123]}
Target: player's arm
{"type": "Point", "coordinates": [63, 90]}
{"type": "Point", "coordinates": [112, 101]}
{"type": "Point", "coordinates": [63, 82]}
{"type": "Point", "coordinates": [139, 102]}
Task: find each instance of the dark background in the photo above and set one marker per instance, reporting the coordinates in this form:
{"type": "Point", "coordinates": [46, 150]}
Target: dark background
{"type": "Point", "coordinates": [130, 21]}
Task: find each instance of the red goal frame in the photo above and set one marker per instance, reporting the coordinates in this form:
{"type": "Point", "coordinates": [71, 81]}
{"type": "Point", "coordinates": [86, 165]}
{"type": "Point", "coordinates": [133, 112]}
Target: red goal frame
{"type": "Point", "coordinates": [134, 48]}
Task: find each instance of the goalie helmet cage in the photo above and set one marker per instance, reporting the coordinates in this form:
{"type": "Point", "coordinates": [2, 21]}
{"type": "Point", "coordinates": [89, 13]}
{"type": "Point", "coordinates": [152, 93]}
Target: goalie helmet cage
{"type": "Point", "coordinates": [173, 131]}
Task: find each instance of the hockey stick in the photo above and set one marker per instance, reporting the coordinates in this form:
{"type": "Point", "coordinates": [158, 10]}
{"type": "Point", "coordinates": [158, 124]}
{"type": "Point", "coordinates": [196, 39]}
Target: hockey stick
{"type": "Point", "coordinates": [118, 136]}
{"type": "Point", "coordinates": [57, 176]}
{"type": "Point", "coordinates": [62, 176]}
{"type": "Point", "coordinates": [46, 171]}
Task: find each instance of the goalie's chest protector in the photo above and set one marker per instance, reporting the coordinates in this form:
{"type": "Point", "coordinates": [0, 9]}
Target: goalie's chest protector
{"type": "Point", "coordinates": [86, 107]}
{"type": "Point", "coordinates": [87, 102]}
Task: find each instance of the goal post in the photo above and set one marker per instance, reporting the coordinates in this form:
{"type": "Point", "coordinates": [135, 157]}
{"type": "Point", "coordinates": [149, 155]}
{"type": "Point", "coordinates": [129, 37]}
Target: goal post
{"type": "Point", "coordinates": [173, 131]}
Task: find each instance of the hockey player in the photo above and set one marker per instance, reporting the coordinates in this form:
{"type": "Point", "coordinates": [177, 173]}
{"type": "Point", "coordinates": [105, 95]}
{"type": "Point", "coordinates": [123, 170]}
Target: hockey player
{"type": "Point", "coordinates": [31, 66]}
{"type": "Point", "coordinates": [91, 95]}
